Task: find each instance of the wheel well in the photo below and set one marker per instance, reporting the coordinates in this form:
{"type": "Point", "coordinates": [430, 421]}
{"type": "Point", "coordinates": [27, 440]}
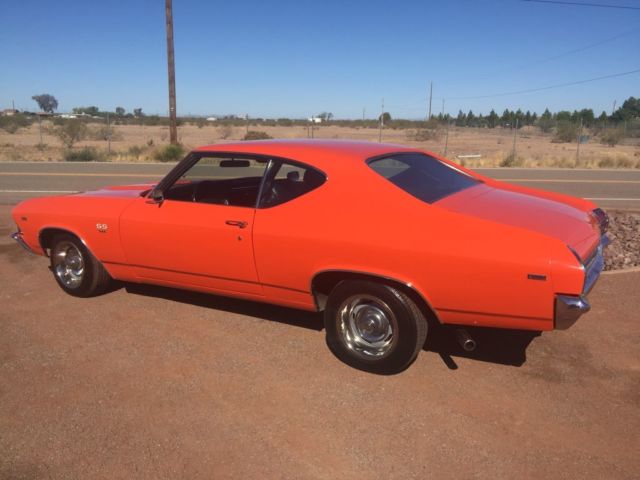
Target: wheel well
{"type": "Point", "coordinates": [324, 282]}
{"type": "Point", "coordinates": [46, 236]}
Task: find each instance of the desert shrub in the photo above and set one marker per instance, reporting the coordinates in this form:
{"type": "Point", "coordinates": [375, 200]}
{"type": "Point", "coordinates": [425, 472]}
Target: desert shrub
{"type": "Point", "coordinates": [256, 135]}
{"type": "Point", "coordinates": [225, 131]}
{"type": "Point", "coordinates": [511, 160]}
{"type": "Point", "coordinates": [169, 153]}
{"type": "Point", "coordinates": [566, 132]}
{"type": "Point", "coordinates": [136, 150]}
{"type": "Point", "coordinates": [13, 123]}
{"type": "Point", "coordinates": [87, 154]}
{"type": "Point", "coordinates": [611, 137]}
{"type": "Point", "coordinates": [70, 132]}
{"type": "Point", "coordinates": [423, 134]}
{"type": "Point", "coordinates": [102, 132]}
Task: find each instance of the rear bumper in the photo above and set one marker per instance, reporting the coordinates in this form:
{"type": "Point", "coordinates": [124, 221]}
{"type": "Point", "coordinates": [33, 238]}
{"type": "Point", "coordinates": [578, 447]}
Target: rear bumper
{"type": "Point", "coordinates": [568, 308]}
{"type": "Point", "coordinates": [18, 238]}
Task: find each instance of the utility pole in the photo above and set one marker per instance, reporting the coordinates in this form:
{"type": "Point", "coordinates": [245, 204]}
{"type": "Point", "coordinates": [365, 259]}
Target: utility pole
{"type": "Point", "coordinates": [430, 97]}
{"type": "Point", "coordinates": [108, 135]}
{"type": "Point", "coordinates": [578, 148]}
{"type": "Point", "coordinates": [246, 117]}
{"type": "Point", "coordinates": [363, 111]}
{"type": "Point", "coordinates": [173, 127]}
{"type": "Point", "coordinates": [443, 108]}
{"type": "Point", "coordinates": [381, 123]}
{"type": "Point", "coordinates": [446, 141]}
{"type": "Point", "coordinates": [614, 107]}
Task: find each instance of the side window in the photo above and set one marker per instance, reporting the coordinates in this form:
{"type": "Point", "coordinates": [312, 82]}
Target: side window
{"type": "Point", "coordinates": [220, 181]}
{"type": "Point", "coordinates": [288, 181]}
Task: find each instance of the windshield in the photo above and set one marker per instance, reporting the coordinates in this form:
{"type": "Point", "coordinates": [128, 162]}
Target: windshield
{"type": "Point", "coordinates": [422, 176]}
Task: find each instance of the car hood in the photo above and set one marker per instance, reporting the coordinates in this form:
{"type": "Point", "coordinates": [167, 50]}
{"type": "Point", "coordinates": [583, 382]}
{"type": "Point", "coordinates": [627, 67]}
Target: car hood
{"type": "Point", "coordinates": [122, 191]}
{"type": "Point", "coordinates": [569, 224]}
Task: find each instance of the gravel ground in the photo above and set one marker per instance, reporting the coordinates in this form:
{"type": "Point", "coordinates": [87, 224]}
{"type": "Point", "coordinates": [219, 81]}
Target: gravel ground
{"type": "Point", "coordinates": [624, 233]}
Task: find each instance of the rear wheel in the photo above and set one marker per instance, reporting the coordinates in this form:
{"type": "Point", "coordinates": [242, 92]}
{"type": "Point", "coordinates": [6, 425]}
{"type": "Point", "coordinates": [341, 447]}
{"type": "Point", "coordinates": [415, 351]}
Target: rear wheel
{"type": "Point", "coordinates": [75, 269]}
{"type": "Point", "coordinates": [373, 327]}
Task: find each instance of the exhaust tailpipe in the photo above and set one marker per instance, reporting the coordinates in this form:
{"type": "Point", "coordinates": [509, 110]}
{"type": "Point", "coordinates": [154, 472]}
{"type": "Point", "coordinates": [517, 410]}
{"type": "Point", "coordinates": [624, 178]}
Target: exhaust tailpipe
{"type": "Point", "coordinates": [465, 340]}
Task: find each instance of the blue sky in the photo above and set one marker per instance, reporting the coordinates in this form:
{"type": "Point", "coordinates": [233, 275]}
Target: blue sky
{"type": "Point", "coordinates": [298, 58]}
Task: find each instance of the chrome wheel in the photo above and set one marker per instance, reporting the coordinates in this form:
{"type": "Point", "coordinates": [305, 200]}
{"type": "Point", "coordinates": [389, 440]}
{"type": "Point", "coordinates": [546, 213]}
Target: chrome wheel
{"type": "Point", "coordinates": [366, 325]}
{"type": "Point", "coordinates": [68, 264]}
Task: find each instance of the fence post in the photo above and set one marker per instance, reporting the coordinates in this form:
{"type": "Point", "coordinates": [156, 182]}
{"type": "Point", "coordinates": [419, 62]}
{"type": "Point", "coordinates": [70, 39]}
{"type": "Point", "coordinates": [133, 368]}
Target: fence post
{"type": "Point", "coordinates": [578, 149]}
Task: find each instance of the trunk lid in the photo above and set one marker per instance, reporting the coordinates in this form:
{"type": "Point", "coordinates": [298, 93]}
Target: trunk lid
{"type": "Point", "coordinates": [571, 225]}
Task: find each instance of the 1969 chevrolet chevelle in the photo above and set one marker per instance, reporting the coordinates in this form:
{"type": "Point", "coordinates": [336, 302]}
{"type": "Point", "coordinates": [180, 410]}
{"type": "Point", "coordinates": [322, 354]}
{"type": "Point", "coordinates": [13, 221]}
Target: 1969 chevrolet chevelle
{"type": "Point", "coordinates": [386, 240]}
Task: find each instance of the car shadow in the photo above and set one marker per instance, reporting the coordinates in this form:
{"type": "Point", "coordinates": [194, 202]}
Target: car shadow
{"type": "Point", "coordinates": [493, 345]}
{"type": "Point", "coordinates": [505, 347]}
{"type": "Point", "coordinates": [265, 311]}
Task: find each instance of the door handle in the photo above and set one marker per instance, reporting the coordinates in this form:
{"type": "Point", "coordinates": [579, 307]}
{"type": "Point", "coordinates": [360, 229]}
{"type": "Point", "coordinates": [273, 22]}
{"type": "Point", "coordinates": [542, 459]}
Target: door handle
{"type": "Point", "coordinates": [236, 223]}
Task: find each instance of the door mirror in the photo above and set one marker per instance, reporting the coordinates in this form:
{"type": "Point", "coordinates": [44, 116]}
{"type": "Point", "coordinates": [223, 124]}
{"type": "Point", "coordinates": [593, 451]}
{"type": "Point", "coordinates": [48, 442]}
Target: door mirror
{"type": "Point", "coordinates": [155, 196]}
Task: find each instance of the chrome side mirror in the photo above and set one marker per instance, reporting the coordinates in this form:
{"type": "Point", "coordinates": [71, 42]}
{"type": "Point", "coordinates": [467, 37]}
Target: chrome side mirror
{"type": "Point", "coordinates": [155, 197]}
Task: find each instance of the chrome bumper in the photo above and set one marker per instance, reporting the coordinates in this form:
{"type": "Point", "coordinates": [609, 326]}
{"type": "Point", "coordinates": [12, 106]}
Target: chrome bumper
{"type": "Point", "coordinates": [18, 238]}
{"type": "Point", "coordinates": [569, 308]}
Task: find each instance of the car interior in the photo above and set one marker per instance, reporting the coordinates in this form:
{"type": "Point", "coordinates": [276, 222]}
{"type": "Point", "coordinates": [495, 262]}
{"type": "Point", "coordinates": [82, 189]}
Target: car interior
{"type": "Point", "coordinates": [284, 183]}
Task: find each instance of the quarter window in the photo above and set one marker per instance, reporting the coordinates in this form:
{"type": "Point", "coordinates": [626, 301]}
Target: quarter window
{"type": "Point", "coordinates": [288, 181]}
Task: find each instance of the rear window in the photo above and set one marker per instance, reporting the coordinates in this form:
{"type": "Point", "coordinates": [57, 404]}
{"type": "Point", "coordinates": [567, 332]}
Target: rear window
{"type": "Point", "coordinates": [422, 176]}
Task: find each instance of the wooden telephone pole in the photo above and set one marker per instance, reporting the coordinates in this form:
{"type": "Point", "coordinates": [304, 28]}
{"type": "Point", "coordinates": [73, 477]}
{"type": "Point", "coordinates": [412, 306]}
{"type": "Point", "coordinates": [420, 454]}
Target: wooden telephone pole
{"type": "Point", "coordinates": [173, 128]}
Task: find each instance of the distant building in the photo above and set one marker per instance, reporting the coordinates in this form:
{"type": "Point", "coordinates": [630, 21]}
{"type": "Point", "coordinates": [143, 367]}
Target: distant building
{"type": "Point", "coordinates": [212, 119]}
{"type": "Point", "coordinates": [315, 120]}
{"type": "Point", "coordinates": [8, 112]}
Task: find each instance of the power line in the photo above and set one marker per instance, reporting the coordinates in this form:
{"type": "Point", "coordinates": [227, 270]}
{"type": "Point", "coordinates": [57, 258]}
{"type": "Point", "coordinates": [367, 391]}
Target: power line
{"type": "Point", "coordinates": [549, 87]}
{"type": "Point", "coordinates": [584, 4]}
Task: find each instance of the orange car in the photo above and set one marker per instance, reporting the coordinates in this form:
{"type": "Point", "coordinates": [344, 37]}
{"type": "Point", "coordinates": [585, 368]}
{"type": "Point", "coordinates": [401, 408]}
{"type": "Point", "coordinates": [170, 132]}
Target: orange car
{"type": "Point", "coordinates": [386, 240]}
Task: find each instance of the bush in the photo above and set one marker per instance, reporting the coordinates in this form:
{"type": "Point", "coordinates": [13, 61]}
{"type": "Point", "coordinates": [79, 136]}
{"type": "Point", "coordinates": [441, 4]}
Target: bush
{"type": "Point", "coordinates": [70, 132]}
{"type": "Point", "coordinates": [169, 153]}
{"type": "Point", "coordinates": [12, 123]}
{"type": "Point", "coordinates": [87, 154]}
{"type": "Point", "coordinates": [256, 135]}
{"type": "Point", "coordinates": [511, 160]}
{"type": "Point", "coordinates": [135, 151]}
{"type": "Point", "coordinates": [225, 131]}
{"type": "Point", "coordinates": [566, 132]}
{"type": "Point", "coordinates": [611, 137]}
{"type": "Point", "coordinates": [423, 134]}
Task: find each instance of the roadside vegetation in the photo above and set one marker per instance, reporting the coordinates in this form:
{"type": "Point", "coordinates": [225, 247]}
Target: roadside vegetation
{"type": "Point", "coordinates": [511, 138]}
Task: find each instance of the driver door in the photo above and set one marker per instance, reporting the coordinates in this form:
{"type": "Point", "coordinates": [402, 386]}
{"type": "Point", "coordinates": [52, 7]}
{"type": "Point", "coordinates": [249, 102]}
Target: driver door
{"type": "Point", "coordinates": [201, 233]}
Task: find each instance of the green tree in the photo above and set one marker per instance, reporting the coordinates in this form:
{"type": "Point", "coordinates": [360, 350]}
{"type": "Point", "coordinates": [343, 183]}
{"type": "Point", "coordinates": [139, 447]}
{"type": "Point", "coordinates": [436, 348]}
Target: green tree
{"type": "Point", "coordinates": [93, 111]}
{"type": "Point", "coordinates": [385, 117]}
{"type": "Point", "coordinates": [492, 119]}
{"type": "Point", "coordinates": [506, 118]}
{"type": "Point", "coordinates": [120, 111]}
{"type": "Point", "coordinates": [546, 122]}
{"type": "Point", "coordinates": [461, 119]}
{"type": "Point", "coordinates": [630, 109]}
{"type": "Point", "coordinates": [46, 102]}
{"type": "Point", "coordinates": [137, 112]}
{"type": "Point", "coordinates": [471, 119]}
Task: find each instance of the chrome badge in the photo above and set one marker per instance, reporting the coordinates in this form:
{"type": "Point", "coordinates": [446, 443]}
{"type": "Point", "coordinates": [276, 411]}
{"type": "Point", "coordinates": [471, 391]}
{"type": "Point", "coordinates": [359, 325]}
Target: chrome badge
{"type": "Point", "coordinates": [102, 227]}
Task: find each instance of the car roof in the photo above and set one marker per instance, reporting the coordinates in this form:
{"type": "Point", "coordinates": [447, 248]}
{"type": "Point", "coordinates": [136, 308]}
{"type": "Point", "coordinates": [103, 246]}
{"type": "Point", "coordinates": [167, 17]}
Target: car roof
{"type": "Point", "coordinates": [316, 152]}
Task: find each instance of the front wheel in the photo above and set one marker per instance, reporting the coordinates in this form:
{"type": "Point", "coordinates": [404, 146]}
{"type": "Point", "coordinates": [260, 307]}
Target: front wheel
{"type": "Point", "coordinates": [373, 327]}
{"type": "Point", "coordinates": [77, 271]}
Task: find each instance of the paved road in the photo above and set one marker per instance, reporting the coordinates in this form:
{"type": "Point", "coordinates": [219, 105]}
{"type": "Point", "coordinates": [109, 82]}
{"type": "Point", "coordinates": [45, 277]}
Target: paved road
{"type": "Point", "coordinates": [618, 189]}
{"type": "Point", "coordinates": [157, 383]}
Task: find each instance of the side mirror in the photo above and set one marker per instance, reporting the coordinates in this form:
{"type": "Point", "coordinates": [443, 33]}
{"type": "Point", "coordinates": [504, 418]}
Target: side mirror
{"type": "Point", "coordinates": [155, 196]}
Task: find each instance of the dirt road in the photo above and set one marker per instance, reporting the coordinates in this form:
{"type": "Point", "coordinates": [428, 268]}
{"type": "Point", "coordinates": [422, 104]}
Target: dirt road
{"type": "Point", "coordinates": [155, 383]}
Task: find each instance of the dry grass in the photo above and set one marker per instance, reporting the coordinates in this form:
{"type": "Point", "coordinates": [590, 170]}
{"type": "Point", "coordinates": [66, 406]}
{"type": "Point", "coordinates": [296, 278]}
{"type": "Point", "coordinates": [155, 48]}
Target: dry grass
{"type": "Point", "coordinates": [140, 143]}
